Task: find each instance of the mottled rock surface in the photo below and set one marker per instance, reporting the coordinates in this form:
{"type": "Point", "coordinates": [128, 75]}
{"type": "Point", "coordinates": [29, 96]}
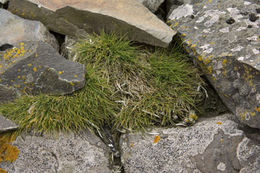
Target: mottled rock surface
{"type": "Point", "coordinates": [211, 146]}
{"type": "Point", "coordinates": [6, 125]}
{"type": "Point", "coordinates": [223, 38]}
{"type": "Point", "coordinates": [74, 17]}
{"type": "Point", "coordinates": [36, 67]}
{"type": "Point", "coordinates": [14, 29]}
{"type": "Point", "coordinates": [68, 46]}
{"type": "Point", "coordinates": [63, 153]}
{"type": "Point", "coordinates": [152, 5]}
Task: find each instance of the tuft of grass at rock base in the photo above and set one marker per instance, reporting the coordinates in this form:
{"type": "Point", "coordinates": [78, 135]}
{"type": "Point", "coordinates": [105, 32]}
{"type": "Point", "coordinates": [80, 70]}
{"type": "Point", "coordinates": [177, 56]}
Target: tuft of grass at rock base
{"type": "Point", "coordinates": [127, 87]}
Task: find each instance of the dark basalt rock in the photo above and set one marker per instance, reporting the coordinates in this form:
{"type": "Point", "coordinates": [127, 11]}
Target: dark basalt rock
{"type": "Point", "coordinates": [36, 67]}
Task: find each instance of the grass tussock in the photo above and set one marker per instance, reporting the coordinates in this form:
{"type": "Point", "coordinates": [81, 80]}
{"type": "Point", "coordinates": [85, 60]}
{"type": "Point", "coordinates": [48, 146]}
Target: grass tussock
{"type": "Point", "coordinates": [126, 87]}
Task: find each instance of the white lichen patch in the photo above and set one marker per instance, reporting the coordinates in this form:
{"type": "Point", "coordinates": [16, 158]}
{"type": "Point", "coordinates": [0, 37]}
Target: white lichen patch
{"type": "Point", "coordinates": [214, 16]}
{"type": "Point", "coordinates": [206, 48]}
{"type": "Point", "coordinates": [221, 166]}
{"type": "Point", "coordinates": [182, 11]}
{"type": "Point", "coordinates": [236, 49]}
{"type": "Point", "coordinates": [235, 13]}
{"type": "Point", "coordinates": [224, 30]}
{"type": "Point", "coordinates": [241, 58]}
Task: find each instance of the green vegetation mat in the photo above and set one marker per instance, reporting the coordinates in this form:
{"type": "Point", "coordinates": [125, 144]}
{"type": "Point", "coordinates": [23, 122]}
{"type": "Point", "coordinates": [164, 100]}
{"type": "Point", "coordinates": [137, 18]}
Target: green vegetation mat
{"type": "Point", "coordinates": [127, 87]}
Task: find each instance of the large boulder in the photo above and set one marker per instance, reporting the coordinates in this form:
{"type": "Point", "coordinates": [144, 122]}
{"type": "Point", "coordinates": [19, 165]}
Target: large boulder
{"type": "Point", "coordinates": [36, 67]}
{"type": "Point", "coordinates": [63, 153]}
{"type": "Point", "coordinates": [223, 38]}
{"type": "Point", "coordinates": [152, 5]}
{"type": "Point", "coordinates": [211, 146]}
{"type": "Point", "coordinates": [14, 29]}
{"type": "Point", "coordinates": [6, 125]}
{"type": "Point", "coordinates": [74, 17]}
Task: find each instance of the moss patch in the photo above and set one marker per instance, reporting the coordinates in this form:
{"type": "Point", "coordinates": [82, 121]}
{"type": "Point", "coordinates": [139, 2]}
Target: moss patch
{"type": "Point", "coordinates": [127, 87]}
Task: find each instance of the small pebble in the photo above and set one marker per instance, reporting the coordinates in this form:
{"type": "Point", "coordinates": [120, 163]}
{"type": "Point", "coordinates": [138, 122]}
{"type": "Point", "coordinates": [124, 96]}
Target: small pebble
{"type": "Point", "coordinates": [230, 21]}
{"type": "Point", "coordinates": [253, 17]}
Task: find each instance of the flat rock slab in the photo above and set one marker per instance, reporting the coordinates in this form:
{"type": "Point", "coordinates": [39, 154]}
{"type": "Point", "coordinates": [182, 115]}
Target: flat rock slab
{"type": "Point", "coordinates": [36, 67]}
{"type": "Point", "coordinates": [6, 125]}
{"type": "Point", "coordinates": [74, 17]}
{"type": "Point", "coordinates": [15, 29]}
{"type": "Point", "coordinates": [64, 153]}
{"type": "Point", "coordinates": [215, 145]}
{"type": "Point", "coordinates": [223, 38]}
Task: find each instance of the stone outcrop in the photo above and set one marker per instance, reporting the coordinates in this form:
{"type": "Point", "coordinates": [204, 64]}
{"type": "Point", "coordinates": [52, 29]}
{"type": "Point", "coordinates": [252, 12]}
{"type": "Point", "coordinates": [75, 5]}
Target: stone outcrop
{"type": "Point", "coordinates": [36, 67]}
{"type": "Point", "coordinates": [152, 5]}
{"type": "Point", "coordinates": [63, 153]}
{"type": "Point", "coordinates": [14, 29]}
{"type": "Point", "coordinates": [210, 146]}
{"type": "Point", "coordinates": [223, 38]}
{"type": "Point", "coordinates": [74, 17]}
{"type": "Point", "coordinates": [6, 125]}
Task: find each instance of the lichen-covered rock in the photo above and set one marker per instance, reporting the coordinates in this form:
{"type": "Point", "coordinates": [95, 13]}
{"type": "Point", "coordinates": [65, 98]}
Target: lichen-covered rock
{"type": "Point", "coordinates": [36, 67]}
{"type": "Point", "coordinates": [152, 5]}
{"type": "Point", "coordinates": [211, 146]}
{"type": "Point", "coordinates": [74, 17]}
{"type": "Point", "coordinates": [63, 153]}
{"type": "Point", "coordinates": [67, 48]}
{"type": "Point", "coordinates": [223, 38]}
{"type": "Point", "coordinates": [6, 125]}
{"type": "Point", "coordinates": [14, 29]}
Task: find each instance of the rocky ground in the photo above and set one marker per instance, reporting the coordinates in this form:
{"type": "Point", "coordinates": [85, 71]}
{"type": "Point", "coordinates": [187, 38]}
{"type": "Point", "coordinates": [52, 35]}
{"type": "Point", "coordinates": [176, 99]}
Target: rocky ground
{"type": "Point", "coordinates": [222, 37]}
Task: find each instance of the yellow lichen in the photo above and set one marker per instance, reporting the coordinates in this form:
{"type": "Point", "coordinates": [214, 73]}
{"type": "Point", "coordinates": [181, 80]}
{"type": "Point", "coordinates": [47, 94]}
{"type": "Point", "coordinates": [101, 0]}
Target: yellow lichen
{"type": "Point", "coordinates": [224, 62]}
{"type": "Point", "coordinates": [34, 69]}
{"type": "Point", "coordinates": [257, 109]}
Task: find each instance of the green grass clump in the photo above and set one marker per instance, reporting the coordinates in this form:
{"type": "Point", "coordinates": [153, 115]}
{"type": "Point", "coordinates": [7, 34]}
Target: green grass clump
{"type": "Point", "coordinates": [126, 88]}
{"type": "Point", "coordinates": [88, 108]}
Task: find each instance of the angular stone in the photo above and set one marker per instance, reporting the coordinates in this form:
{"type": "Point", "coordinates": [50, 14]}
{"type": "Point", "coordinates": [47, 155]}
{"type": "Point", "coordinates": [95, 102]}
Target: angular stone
{"type": "Point", "coordinates": [6, 125]}
{"type": "Point", "coordinates": [225, 43]}
{"type": "Point", "coordinates": [36, 67]}
{"type": "Point", "coordinates": [63, 153]}
{"type": "Point", "coordinates": [212, 145]}
{"type": "Point", "coordinates": [152, 5]}
{"type": "Point", "coordinates": [74, 17]}
{"type": "Point", "coordinates": [14, 29]}
{"type": "Point", "coordinates": [67, 48]}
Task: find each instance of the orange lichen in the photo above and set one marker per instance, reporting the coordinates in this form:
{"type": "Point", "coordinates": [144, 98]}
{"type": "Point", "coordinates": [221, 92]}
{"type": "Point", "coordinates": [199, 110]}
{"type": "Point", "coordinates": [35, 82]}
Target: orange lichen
{"type": "Point", "coordinates": [257, 109]}
{"type": "Point", "coordinates": [8, 152]}
{"type": "Point", "coordinates": [156, 139]}
{"type": "Point", "coordinates": [219, 123]}
{"type": "Point", "coordinates": [2, 171]}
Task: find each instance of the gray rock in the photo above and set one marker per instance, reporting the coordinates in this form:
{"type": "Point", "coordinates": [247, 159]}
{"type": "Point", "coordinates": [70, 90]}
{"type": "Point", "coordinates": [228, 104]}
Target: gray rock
{"type": "Point", "coordinates": [75, 17]}
{"type": "Point", "coordinates": [224, 41]}
{"type": "Point", "coordinates": [63, 153]}
{"type": "Point", "coordinates": [67, 48]}
{"type": "Point", "coordinates": [14, 29]}
{"type": "Point", "coordinates": [152, 5]}
{"type": "Point", "coordinates": [211, 146]}
{"type": "Point", "coordinates": [6, 125]}
{"type": "Point", "coordinates": [36, 67]}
